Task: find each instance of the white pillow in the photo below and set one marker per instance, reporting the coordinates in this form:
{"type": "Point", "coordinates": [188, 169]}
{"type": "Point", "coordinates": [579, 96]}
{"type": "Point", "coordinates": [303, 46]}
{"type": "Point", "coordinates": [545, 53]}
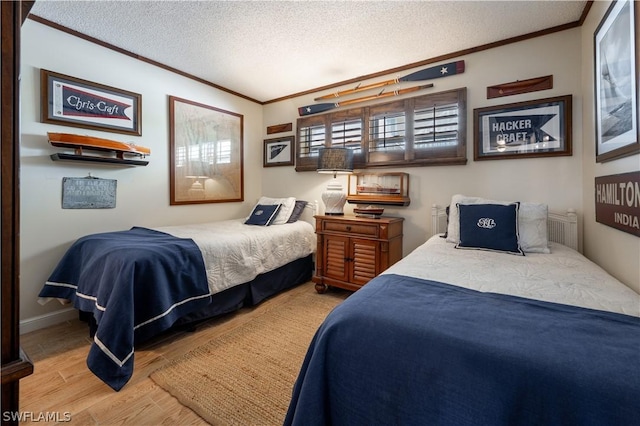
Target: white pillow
{"type": "Point", "coordinates": [532, 222]}
{"type": "Point", "coordinates": [532, 225]}
{"type": "Point", "coordinates": [286, 208]}
{"type": "Point", "coordinates": [453, 229]}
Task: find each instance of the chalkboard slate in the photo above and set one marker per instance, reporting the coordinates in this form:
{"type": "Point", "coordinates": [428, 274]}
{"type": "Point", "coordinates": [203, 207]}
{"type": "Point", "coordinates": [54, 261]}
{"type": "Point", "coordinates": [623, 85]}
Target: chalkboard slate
{"type": "Point", "coordinates": [88, 193]}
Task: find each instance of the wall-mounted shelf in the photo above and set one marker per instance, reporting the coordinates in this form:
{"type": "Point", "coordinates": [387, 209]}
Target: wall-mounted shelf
{"type": "Point", "coordinates": [103, 160]}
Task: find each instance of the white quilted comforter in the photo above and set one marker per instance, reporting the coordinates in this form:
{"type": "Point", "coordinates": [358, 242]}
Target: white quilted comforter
{"type": "Point", "coordinates": [235, 253]}
{"type": "Point", "coordinates": [564, 276]}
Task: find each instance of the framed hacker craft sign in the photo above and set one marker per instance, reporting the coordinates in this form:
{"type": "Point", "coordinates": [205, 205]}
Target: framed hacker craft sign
{"type": "Point", "coordinates": [70, 101]}
{"type": "Point", "coordinates": [539, 128]}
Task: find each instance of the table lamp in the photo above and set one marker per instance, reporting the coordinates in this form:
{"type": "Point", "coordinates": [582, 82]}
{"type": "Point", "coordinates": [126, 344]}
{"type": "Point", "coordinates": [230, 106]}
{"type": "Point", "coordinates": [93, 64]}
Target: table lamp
{"type": "Point", "coordinates": [335, 161]}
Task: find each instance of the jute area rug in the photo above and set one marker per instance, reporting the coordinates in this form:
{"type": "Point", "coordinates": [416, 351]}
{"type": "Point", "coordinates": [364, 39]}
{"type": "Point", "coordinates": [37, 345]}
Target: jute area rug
{"type": "Point", "coordinates": [246, 376]}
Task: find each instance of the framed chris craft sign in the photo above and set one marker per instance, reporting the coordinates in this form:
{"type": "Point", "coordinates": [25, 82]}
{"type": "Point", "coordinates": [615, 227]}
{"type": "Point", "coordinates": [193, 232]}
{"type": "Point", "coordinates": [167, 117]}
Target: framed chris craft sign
{"type": "Point", "coordinates": [618, 201]}
{"type": "Point", "coordinates": [539, 128]}
{"type": "Point", "coordinates": [70, 101]}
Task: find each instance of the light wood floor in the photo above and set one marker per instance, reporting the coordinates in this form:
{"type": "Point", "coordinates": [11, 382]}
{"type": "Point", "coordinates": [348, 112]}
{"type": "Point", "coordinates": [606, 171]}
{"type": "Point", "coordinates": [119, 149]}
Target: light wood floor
{"type": "Point", "coordinates": [62, 383]}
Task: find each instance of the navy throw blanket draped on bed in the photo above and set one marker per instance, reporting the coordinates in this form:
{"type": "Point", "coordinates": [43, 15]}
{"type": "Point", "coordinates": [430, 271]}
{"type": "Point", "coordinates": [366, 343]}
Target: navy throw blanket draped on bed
{"type": "Point", "coordinates": [406, 351]}
{"type": "Point", "coordinates": [136, 284]}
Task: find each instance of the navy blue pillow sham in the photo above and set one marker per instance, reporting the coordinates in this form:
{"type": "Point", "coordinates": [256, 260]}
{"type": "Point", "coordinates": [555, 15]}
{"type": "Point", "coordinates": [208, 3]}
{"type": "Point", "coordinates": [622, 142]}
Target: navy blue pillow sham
{"type": "Point", "coordinates": [491, 227]}
{"type": "Point", "coordinates": [263, 215]}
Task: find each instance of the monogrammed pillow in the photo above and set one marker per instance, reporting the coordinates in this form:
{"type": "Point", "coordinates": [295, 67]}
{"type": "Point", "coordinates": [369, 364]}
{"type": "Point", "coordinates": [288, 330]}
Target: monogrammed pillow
{"type": "Point", "coordinates": [492, 227]}
{"type": "Point", "coordinates": [263, 215]}
{"type": "Point", "coordinates": [532, 222]}
{"type": "Point", "coordinates": [284, 212]}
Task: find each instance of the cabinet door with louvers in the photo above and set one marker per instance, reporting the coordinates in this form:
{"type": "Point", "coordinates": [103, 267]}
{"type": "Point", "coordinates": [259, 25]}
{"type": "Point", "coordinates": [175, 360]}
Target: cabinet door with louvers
{"type": "Point", "coordinates": [364, 260]}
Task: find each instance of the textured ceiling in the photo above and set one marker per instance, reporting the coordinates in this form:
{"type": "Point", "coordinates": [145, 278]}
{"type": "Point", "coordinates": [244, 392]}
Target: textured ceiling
{"type": "Point", "coordinates": [271, 49]}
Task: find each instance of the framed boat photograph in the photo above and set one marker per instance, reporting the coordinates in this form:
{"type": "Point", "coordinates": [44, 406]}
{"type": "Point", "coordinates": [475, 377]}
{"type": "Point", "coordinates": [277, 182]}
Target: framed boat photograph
{"type": "Point", "coordinates": [70, 101]}
{"type": "Point", "coordinates": [539, 128]}
{"type": "Point", "coordinates": [616, 79]}
{"type": "Point", "coordinates": [278, 152]}
{"type": "Point", "coordinates": [206, 153]}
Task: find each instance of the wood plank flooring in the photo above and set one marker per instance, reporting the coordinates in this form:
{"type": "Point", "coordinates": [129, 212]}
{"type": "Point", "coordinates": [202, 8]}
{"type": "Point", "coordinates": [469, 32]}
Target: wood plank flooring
{"type": "Point", "coordinates": [62, 386]}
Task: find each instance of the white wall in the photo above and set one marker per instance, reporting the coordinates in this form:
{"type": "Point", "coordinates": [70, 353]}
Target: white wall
{"type": "Point", "coordinates": [616, 251]}
{"type": "Point", "coordinates": [47, 230]}
{"type": "Point", "coordinates": [556, 181]}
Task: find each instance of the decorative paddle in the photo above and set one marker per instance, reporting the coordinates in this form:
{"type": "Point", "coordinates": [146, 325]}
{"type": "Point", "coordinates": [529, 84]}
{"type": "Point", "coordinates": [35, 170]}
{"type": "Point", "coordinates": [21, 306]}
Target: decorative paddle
{"type": "Point", "coordinates": [314, 109]}
{"type": "Point", "coordinates": [430, 73]}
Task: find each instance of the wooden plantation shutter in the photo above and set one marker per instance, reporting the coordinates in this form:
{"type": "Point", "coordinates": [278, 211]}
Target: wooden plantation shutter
{"type": "Point", "coordinates": [312, 136]}
{"type": "Point", "coordinates": [439, 127]}
{"type": "Point", "coordinates": [387, 132]}
{"type": "Point", "coordinates": [347, 131]}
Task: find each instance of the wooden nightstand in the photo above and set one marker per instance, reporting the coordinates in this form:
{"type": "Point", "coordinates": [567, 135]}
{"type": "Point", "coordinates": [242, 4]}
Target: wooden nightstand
{"type": "Point", "coordinates": [352, 250]}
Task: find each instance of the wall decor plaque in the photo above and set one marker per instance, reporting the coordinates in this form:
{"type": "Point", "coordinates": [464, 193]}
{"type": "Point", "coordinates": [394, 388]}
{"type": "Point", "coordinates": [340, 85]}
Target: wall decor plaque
{"type": "Point", "coordinates": [88, 193]}
{"type": "Point", "coordinates": [618, 201]}
{"type": "Point", "coordinates": [279, 128]}
{"type": "Point", "coordinates": [520, 86]}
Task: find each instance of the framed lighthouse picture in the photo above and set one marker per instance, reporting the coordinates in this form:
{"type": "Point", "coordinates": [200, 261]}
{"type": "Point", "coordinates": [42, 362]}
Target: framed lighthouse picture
{"type": "Point", "coordinates": [70, 101]}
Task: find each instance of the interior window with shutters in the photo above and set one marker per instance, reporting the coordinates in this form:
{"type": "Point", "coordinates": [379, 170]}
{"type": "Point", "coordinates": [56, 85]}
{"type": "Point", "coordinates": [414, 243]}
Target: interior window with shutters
{"type": "Point", "coordinates": [424, 130]}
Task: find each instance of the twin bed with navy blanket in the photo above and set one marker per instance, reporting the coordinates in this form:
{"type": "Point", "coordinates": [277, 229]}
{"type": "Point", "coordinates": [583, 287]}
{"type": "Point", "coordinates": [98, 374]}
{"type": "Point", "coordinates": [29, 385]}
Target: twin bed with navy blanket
{"type": "Point", "coordinates": [490, 322]}
{"type": "Point", "coordinates": [140, 282]}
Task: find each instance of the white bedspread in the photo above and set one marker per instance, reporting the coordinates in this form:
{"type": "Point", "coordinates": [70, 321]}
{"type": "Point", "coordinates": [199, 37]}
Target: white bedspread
{"type": "Point", "coordinates": [235, 253]}
{"type": "Point", "coordinates": [564, 276]}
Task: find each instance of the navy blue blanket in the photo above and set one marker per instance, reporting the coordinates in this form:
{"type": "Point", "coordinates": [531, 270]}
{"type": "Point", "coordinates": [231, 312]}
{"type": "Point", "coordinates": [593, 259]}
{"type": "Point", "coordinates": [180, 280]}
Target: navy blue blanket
{"type": "Point", "coordinates": [405, 351]}
{"type": "Point", "coordinates": [136, 284]}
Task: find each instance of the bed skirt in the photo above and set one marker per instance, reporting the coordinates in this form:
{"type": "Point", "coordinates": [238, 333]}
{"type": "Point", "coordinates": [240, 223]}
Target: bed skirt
{"type": "Point", "coordinates": [249, 294]}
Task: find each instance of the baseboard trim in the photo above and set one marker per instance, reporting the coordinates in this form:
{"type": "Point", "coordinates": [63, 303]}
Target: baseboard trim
{"type": "Point", "coordinates": [46, 320]}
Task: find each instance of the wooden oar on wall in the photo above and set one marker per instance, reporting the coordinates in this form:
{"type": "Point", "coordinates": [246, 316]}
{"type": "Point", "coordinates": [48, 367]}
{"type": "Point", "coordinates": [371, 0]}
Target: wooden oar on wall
{"type": "Point", "coordinates": [316, 108]}
{"type": "Point", "coordinates": [430, 73]}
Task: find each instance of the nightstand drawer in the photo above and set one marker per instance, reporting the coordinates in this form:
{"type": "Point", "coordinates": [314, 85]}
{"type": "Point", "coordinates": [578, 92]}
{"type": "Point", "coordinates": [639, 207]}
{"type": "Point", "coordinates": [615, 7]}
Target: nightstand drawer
{"type": "Point", "coordinates": [365, 229]}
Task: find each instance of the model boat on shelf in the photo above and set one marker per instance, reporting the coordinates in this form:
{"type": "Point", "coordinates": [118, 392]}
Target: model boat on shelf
{"type": "Point", "coordinates": [373, 188]}
{"type": "Point", "coordinates": [82, 142]}
{"type": "Point", "coordinates": [376, 189]}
